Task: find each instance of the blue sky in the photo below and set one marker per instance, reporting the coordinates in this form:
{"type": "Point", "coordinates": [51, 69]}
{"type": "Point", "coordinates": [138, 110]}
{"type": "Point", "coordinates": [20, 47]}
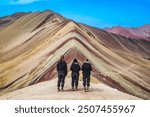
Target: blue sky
{"type": "Point", "coordinates": [97, 13]}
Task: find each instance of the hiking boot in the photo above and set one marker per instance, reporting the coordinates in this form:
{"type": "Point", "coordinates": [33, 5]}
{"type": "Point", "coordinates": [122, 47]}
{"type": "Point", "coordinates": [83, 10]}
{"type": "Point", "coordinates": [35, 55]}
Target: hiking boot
{"type": "Point", "coordinates": [58, 89]}
{"type": "Point", "coordinates": [72, 88]}
{"type": "Point", "coordinates": [85, 89]}
{"type": "Point", "coordinates": [62, 88]}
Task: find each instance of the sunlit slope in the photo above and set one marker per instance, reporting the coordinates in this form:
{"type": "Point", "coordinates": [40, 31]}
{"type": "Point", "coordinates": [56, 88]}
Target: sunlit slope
{"type": "Point", "coordinates": [33, 44]}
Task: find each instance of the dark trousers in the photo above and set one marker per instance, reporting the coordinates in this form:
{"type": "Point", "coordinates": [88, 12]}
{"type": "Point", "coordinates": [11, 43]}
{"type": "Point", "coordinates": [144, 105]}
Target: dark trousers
{"type": "Point", "coordinates": [86, 80]}
{"type": "Point", "coordinates": [61, 79]}
{"type": "Point", "coordinates": [75, 79]}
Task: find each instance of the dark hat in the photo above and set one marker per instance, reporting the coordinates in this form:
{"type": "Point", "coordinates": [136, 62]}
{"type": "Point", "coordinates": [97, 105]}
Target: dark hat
{"type": "Point", "coordinates": [75, 60]}
{"type": "Point", "coordinates": [61, 58]}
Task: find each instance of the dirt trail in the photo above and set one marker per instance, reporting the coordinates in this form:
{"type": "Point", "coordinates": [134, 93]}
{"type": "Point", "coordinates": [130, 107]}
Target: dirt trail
{"type": "Point", "coordinates": [48, 91]}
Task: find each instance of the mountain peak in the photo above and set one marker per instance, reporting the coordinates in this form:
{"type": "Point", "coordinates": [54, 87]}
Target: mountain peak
{"type": "Point", "coordinates": [50, 11]}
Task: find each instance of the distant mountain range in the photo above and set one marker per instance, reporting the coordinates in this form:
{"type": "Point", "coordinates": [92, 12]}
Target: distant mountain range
{"type": "Point", "coordinates": [142, 32]}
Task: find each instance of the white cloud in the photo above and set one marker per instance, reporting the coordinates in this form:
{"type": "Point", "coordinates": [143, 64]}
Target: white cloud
{"type": "Point", "coordinates": [23, 1]}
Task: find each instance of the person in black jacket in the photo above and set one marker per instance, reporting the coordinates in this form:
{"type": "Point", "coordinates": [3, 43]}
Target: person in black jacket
{"type": "Point", "coordinates": [86, 70]}
{"type": "Point", "coordinates": [75, 68]}
{"type": "Point", "coordinates": [62, 72]}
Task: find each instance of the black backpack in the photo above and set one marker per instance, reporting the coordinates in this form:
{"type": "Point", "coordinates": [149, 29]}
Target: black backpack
{"type": "Point", "coordinates": [75, 68]}
{"type": "Point", "coordinates": [61, 65]}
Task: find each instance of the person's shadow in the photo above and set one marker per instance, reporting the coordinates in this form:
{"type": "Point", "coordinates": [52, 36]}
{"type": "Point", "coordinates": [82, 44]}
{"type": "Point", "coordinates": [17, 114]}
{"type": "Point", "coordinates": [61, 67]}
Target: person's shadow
{"type": "Point", "coordinates": [70, 90]}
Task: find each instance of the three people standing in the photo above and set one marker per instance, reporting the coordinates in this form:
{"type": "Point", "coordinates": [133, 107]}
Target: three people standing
{"type": "Point", "coordinates": [75, 68]}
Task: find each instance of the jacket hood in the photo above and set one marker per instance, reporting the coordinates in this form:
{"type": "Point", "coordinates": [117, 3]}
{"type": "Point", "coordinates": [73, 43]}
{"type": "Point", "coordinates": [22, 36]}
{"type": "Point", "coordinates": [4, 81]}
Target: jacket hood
{"type": "Point", "coordinates": [87, 61]}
